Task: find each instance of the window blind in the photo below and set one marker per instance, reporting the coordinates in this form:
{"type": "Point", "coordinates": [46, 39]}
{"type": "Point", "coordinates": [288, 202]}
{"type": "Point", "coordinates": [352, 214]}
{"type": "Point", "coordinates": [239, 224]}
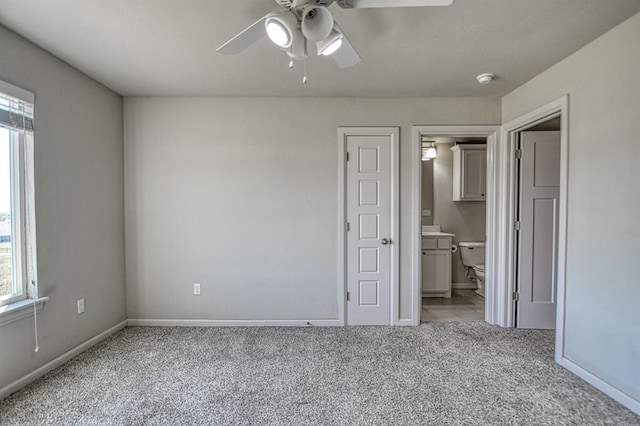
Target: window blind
{"type": "Point", "coordinates": [16, 108]}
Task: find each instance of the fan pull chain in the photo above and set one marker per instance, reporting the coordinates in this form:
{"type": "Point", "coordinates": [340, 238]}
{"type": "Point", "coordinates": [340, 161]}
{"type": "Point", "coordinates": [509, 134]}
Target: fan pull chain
{"type": "Point", "coordinates": [291, 56]}
{"type": "Point", "coordinates": [304, 67]}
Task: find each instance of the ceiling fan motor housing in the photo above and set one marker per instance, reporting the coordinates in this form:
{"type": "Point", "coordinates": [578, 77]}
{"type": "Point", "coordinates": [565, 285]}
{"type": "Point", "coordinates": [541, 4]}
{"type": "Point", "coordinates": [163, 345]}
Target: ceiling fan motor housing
{"type": "Point", "coordinates": [287, 4]}
{"type": "Point", "coordinates": [298, 4]}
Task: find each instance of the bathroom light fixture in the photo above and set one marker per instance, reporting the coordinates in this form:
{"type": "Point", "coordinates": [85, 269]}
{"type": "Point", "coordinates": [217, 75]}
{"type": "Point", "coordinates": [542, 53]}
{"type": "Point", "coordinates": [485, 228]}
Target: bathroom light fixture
{"type": "Point", "coordinates": [485, 78]}
{"type": "Point", "coordinates": [429, 150]}
{"type": "Point", "coordinates": [432, 152]}
{"type": "Point", "coordinates": [280, 28]}
{"type": "Point", "coordinates": [329, 45]}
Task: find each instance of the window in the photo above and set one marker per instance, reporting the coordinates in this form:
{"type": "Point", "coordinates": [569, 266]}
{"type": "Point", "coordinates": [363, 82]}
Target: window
{"type": "Point", "coordinates": [17, 243]}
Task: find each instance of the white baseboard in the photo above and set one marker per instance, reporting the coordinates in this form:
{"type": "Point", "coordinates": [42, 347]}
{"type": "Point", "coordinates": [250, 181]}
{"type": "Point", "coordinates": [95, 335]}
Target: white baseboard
{"type": "Point", "coordinates": [464, 286]}
{"type": "Point", "coordinates": [405, 322]}
{"type": "Point", "coordinates": [41, 371]}
{"type": "Point", "coordinates": [140, 322]}
{"type": "Point", "coordinates": [601, 385]}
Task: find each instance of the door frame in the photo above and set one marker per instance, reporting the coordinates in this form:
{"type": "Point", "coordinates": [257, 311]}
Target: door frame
{"type": "Point", "coordinates": [492, 133]}
{"type": "Point", "coordinates": [559, 107]}
{"type": "Point", "coordinates": [394, 275]}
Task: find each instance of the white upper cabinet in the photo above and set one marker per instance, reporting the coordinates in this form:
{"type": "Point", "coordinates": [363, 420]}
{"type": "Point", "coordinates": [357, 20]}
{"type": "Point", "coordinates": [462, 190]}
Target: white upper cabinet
{"type": "Point", "coordinates": [469, 172]}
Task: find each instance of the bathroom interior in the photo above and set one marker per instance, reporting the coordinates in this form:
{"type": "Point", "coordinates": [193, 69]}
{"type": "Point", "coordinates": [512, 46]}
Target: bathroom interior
{"type": "Point", "coordinates": [453, 228]}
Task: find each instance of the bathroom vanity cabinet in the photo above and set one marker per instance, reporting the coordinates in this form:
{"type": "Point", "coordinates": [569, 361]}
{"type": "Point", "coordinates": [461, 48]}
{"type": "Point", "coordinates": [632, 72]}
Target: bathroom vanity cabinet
{"type": "Point", "coordinates": [469, 172]}
{"type": "Point", "coordinates": [436, 264]}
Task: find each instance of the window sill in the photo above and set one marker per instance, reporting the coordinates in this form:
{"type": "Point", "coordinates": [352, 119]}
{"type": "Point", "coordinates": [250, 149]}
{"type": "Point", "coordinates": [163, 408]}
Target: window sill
{"type": "Point", "coordinates": [18, 310]}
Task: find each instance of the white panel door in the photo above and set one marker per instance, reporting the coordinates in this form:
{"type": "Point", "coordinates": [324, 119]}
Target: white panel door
{"type": "Point", "coordinates": [538, 254]}
{"type": "Point", "coordinates": [368, 210]}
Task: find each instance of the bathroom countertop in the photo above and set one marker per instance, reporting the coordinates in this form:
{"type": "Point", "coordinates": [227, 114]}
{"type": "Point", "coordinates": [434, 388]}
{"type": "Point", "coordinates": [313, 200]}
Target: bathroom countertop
{"type": "Point", "coordinates": [437, 234]}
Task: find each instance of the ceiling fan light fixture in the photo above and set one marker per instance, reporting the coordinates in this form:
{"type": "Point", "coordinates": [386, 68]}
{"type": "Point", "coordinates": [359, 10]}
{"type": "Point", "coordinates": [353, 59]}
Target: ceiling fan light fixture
{"type": "Point", "coordinates": [278, 34]}
{"type": "Point", "coordinates": [280, 28]}
{"type": "Point", "coordinates": [329, 45]}
{"type": "Point", "coordinates": [317, 22]}
{"type": "Point", "coordinates": [332, 47]}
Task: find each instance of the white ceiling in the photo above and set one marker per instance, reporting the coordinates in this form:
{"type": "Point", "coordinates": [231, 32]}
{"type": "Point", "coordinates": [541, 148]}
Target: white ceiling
{"type": "Point", "coordinates": [167, 47]}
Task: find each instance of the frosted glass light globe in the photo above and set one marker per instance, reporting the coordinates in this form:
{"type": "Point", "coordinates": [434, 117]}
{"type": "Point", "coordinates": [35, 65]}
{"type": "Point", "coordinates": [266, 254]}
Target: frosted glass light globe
{"type": "Point", "coordinates": [278, 33]}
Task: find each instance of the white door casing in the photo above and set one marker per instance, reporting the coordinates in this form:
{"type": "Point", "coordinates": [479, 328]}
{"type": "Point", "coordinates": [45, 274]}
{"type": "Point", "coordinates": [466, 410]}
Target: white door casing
{"type": "Point", "coordinates": [371, 235]}
{"type": "Point", "coordinates": [538, 237]}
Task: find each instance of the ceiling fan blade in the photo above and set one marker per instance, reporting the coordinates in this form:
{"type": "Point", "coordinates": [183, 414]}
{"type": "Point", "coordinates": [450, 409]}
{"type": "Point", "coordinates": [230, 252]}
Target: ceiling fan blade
{"type": "Point", "coordinates": [360, 4]}
{"type": "Point", "coordinates": [346, 56]}
{"type": "Point", "coordinates": [246, 38]}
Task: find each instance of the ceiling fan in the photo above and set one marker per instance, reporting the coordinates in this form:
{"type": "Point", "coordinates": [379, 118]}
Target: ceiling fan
{"type": "Point", "coordinates": [300, 23]}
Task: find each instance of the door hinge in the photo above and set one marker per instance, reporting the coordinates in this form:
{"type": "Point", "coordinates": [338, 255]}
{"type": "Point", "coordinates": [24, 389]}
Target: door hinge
{"type": "Point", "coordinates": [347, 156]}
{"type": "Point", "coordinates": [348, 296]}
{"type": "Point", "coordinates": [348, 227]}
{"type": "Point", "coordinates": [518, 154]}
{"type": "Point", "coordinates": [516, 225]}
{"type": "Point", "coordinates": [516, 296]}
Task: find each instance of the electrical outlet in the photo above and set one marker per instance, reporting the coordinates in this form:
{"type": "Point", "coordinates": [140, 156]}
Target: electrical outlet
{"type": "Point", "coordinates": [426, 213]}
{"type": "Point", "coordinates": [81, 306]}
{"type": "Point", "coordinates": [196, 289]}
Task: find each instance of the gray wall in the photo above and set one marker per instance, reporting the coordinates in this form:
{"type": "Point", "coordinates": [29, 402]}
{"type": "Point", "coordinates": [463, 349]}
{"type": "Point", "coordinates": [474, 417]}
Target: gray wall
{"type": "Point", "coordinates": [79, 206]}
{"type": "Point", "coordinates": [602, 324]}
{"type": "Point", "coordinates": [240, 195]}
{"type": "Point", "coordinates": [466, 219]}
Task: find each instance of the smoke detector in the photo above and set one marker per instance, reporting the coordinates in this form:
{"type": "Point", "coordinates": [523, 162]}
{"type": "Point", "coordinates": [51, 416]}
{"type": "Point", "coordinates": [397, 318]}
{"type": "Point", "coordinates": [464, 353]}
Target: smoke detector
{"type": "Point", "coordinates": [485, 78]}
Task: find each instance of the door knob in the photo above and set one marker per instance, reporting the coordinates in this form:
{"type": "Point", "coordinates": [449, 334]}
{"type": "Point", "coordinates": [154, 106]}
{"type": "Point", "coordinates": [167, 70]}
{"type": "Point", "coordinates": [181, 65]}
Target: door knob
{"type": "Point", "coordinates": [384, 241]}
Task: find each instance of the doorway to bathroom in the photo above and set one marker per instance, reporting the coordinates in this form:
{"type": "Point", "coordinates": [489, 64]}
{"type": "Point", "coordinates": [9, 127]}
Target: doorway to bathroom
{"type": "Point", "coordinates": [453, 237]}
{"type": "Point", "coordinates": [453, 213]}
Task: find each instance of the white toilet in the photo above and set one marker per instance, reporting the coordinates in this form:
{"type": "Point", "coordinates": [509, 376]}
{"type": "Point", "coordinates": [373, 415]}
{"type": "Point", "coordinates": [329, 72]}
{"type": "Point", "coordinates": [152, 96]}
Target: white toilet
{"type": "Point", "coordinates": [472, 255]}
